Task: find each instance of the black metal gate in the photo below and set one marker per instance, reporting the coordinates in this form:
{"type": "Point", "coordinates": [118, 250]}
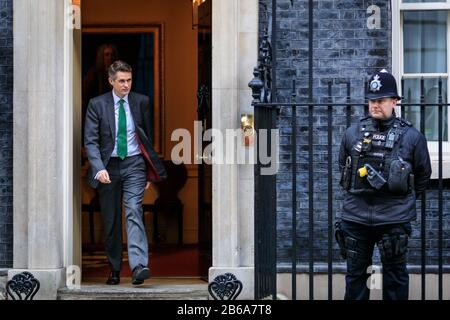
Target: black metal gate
{"type": "Point", "coordinates": [267, 111]}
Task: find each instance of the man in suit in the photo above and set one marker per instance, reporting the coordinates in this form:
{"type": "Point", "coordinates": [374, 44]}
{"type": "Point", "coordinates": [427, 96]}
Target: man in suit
{"type": "Point", "coordinates": [122, 165]}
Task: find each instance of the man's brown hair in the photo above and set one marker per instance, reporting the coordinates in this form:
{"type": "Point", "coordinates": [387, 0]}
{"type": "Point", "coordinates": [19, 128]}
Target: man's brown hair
{"type": "Point", "coordinates": [118, 66]}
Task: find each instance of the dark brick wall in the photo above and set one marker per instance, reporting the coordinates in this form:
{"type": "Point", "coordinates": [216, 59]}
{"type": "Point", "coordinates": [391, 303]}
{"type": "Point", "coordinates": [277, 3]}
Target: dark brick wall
{"type": "Point", "coordinates": [344, 50]}
{"type": "Point", "coordinates": [6, 131]}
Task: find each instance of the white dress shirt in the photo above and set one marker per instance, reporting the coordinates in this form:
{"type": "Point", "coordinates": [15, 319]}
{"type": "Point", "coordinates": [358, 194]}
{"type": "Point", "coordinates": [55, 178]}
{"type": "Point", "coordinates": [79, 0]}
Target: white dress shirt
{"type": "Point", "coordinates": [132, 143]}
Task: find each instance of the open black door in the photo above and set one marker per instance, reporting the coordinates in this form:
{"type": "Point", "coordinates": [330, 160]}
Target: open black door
{"type": "Point", "coordinates": [204, 115]}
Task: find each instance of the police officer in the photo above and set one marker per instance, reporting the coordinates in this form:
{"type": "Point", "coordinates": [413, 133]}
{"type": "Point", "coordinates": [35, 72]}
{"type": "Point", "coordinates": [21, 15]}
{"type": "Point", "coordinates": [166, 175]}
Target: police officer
{"type": "Point", "coordinates": [384, 164]}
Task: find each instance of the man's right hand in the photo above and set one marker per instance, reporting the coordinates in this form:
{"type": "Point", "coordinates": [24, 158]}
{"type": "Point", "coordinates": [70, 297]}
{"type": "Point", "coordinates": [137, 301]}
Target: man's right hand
{"type": "Point", "coordinates": [103, 176]}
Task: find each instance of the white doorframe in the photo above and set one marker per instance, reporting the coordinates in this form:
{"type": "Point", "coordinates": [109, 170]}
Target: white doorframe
{"type": "Point", "coordinates": [72, 137]}
{"type": "Point", "coordinates": [235, 39]}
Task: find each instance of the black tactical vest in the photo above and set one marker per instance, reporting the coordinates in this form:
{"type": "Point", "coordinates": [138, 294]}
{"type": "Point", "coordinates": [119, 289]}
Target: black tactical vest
{"type": "Point", "coordinates": [372, 155]}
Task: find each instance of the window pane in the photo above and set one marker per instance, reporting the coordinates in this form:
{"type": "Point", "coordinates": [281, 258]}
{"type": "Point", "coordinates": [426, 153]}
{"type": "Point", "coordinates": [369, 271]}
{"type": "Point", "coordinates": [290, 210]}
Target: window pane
{"type": "Point", "coordinates": [425, 41]}
{"type": "Point", "coordinates": [431, 93]}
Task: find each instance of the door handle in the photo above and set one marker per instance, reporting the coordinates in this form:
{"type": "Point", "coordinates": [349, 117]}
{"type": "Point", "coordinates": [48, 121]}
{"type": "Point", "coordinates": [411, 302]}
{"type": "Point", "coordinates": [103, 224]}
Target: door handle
{"type": "Point", "coordinates": [248, 128]}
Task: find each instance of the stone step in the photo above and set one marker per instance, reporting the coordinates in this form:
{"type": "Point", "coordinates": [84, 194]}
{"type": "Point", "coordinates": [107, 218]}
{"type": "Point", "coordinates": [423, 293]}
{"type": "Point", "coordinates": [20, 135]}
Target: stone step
{"type": "Point", "coordinates": [129, 292]}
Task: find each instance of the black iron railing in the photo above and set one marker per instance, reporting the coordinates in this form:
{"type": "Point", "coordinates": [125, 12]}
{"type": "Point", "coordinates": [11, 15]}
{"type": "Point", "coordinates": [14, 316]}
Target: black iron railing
{"type": "Point", "coordinates": [266, 115]}
{"type": "Point", "coordinates": [265, 202]}
{"type": "Point", "coordinates": [265, 185]}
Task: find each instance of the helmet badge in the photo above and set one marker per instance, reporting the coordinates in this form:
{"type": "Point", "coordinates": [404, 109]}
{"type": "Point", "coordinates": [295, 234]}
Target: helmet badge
{"type": "Point", "coordinates": [375, 84]}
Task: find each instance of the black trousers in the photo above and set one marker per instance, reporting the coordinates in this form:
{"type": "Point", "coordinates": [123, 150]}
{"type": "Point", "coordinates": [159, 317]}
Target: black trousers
{"type": "Point", "coordinates": [360, 241]}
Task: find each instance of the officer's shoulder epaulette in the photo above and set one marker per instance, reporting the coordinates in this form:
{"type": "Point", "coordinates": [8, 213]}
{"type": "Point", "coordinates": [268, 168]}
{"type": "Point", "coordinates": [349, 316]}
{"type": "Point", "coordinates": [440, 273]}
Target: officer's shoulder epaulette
{"type": "Point", "coordinates": [405, 122]}
{"type": "Point", "coordinates": [364, 118]}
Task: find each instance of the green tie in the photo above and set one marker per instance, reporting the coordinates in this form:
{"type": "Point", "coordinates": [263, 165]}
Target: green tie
{"type": "Point", "coordinates": [122, 132]}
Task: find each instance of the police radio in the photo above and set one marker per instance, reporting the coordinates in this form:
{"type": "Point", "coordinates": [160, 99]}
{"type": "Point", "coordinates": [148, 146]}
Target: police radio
{"type": "Point", "coordinates": [374, 178]}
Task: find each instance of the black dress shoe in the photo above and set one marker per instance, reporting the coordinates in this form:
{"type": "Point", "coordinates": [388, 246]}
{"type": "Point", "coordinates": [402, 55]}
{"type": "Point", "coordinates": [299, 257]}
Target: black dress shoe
{"type": "Point", "coordinates": [140, 273]}
{"type": "Point", "coordinates": [114, 278]}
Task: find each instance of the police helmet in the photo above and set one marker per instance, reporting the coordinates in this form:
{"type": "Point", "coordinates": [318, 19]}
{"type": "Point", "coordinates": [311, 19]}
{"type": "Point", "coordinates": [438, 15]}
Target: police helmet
{"type": "Point", "coordinates": [382, 85]}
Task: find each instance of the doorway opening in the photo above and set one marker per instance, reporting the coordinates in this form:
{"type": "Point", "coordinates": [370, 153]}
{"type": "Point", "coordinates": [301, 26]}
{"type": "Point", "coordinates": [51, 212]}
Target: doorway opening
{"type": "Point", "coordinates": [168, 45]}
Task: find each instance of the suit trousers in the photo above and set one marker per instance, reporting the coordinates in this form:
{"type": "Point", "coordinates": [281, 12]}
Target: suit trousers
{"type": "Point", "coordinates": [128, 179]}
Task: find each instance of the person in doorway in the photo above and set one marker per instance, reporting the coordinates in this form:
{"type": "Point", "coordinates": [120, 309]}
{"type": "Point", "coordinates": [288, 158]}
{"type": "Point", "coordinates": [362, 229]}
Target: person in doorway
{"type": "Point", "coordinates": [96, 80]}
{"type": "Point", "coordinates": [384, 163]}
{"type": "Point", "coordinates": [122, 165]}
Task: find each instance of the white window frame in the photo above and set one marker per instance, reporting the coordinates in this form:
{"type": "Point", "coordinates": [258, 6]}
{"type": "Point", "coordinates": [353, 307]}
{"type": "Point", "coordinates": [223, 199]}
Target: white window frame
{"type": "Point", "coordinates": [397, 7]}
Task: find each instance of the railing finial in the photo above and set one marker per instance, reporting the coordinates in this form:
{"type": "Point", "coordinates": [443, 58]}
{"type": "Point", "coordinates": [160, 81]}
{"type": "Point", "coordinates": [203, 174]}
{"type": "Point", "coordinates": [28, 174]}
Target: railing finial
{"type": "Point", "coordinates": [261, 84]}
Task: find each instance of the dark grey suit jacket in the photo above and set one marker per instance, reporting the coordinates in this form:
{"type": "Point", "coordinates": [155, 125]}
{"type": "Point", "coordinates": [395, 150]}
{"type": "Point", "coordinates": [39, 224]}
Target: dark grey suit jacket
{"type": "Point", "coordinates": [100, 132]}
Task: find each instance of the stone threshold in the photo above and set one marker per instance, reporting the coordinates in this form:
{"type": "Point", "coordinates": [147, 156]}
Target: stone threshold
{"type": "Point", "coordinates": [154, 289]}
